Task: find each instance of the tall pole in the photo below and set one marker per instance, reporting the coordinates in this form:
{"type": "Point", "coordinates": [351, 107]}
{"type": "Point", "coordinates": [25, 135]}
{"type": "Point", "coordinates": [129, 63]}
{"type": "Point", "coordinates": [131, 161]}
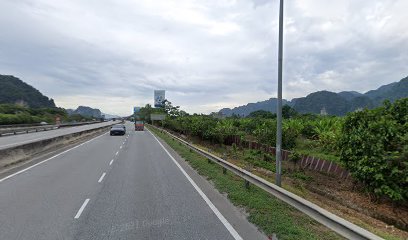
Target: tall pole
{"type": "Point", "coordinates": [279, 105]}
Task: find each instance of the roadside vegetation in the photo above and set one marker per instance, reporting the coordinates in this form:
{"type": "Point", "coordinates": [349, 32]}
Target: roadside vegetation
{"type": "Point", "coordinates": [265, 211]}
{"type": "Point", "coordinates": [371, 144]}
{"type": "Point", "coordinates": [16, 114]}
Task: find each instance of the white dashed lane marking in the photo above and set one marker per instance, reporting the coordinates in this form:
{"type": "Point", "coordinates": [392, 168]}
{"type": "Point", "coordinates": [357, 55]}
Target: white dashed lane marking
{"type": "Point", "coordinates": [101, 178]}
{"type": "Point", "coordinates": [81, 209]}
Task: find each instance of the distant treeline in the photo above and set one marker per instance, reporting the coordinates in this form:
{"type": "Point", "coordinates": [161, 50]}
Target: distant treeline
{"type": "Point", "coordinates": [372, 144]}
{"type": "Point", "coordinates": [16, 114]}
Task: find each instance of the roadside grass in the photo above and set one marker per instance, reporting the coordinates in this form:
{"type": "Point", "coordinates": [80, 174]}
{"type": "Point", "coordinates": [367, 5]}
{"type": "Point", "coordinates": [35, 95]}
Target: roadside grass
{"type": "Point", "coordinates": [265, 211]}
{"type": "Point", "coordinates": [301, 176]}
{"type": "Point", "coordinates": [254, 157]}
{"type": "Point", "coordinates": [313, 148]}
{"type": "Point", "coordinates": [259, 159]}
{"type": "Point", "coordinates": [295, 179]}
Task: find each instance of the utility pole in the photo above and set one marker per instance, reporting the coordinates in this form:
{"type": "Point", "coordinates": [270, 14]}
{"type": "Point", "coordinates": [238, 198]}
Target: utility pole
{"type": "Point", "coordinates": [279, 105]}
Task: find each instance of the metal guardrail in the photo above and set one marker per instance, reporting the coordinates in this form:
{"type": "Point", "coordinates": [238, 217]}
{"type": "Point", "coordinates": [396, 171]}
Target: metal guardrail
{"type": "Point", "coordinates": [20, 125]}
{"type": "Point", "coordinates": [330, 220]}
{"type": "Point", "coordinates": [77, 124]}
{"type": "Point", "coordinates": [20, 130]}
{"type": "Point", "coordinates": [26, 130]}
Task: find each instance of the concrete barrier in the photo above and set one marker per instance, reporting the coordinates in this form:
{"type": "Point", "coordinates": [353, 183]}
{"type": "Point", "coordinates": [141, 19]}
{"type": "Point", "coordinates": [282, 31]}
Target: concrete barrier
{"type": "Point", "coordinates": [21, 153]}
{"type": "Point", "coordinates": [4, 131]}
{"type": "Point", "coordinates": [26, 130]}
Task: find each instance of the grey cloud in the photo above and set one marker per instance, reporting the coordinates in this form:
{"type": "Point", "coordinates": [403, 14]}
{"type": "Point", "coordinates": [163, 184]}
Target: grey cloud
{"type": "Point", "coordinates": [207, 55]}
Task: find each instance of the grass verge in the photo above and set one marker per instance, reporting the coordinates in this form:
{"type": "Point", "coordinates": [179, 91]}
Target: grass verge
{"type": "Point", "coordinates": [312, 148]}
{"type": "Point", "coordinates": [265, 211]}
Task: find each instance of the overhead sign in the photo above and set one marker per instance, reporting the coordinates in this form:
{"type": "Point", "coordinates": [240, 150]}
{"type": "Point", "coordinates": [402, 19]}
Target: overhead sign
{"type": "Point", "coordinates": [157, 117]}
{"type": "Point", "coordinates": [159, 97]}
{"type": "Point", "coordinates": [136, 110]}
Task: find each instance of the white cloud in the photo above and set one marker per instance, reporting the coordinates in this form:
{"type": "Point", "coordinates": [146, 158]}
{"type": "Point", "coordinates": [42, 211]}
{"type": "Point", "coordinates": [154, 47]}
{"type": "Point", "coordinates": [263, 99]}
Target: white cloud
{"type": "Point", "coordinates": [206, 54]}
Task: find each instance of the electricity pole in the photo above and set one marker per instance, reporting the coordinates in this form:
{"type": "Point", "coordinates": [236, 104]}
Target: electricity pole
{"type": "Point", "coordinates": [279, 105]}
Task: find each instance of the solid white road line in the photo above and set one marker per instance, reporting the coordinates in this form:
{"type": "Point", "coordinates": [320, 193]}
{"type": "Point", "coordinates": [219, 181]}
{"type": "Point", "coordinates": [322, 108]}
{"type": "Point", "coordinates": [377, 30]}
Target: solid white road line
{"type": "Point", "coordinates": [46, 160]}
{"type": "Point", "coordinates": [111, 162]}
{"type": "Point", "coordinates": [101, 178]}
{"type": "Point", "coordinates": [81, 209]}
{"type": "Point", "coordinates": [224, 221]}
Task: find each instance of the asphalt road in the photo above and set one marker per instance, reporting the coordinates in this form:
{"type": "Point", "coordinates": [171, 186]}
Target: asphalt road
{"type": "Point", "coordinates": [116, 187]}
{"type": "Point", "coordinates": [15, 140]}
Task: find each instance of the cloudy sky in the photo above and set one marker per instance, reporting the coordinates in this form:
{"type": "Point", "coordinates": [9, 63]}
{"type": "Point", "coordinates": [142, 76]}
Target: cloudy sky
{"type": "Point", "coordinates": [112, 54]}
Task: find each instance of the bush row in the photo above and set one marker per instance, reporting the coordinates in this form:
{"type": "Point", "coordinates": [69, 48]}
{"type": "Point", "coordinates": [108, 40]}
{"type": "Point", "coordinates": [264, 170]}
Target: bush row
{"type": "Point", "coordinates": [15, 114]}
{"type": "Point", "coordinates": [373, 144]}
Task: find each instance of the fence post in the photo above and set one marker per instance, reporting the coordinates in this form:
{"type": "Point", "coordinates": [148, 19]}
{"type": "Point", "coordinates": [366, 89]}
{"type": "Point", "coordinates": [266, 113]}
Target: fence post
{"type": "Point", "coordinates": [328, 170]}
{"type": "Point", "coordinates": [246, 184]}
{"type": "Point", "coordinates": [323, 163]}
{"type": "Point", "coordinates": [311, 163]}
{"type": "Point", "coordinates": [317, 164]}
{"type": "Point", "coordinates": [335, 169]}
{"type": "Point", "coordinates": [247, 168]}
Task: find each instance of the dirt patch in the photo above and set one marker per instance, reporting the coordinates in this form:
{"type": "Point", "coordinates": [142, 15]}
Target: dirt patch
{"type": "Point", "coordinates": [349, 200]}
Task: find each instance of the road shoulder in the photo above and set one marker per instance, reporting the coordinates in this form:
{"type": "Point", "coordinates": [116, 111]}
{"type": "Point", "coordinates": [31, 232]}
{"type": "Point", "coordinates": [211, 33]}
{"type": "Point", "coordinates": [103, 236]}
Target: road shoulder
{"type": "Point", "coordinates": [235, 216]}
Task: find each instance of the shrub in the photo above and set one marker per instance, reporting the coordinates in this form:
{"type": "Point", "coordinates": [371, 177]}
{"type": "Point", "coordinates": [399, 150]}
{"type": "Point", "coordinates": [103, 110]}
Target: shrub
{"type": "Point", "coordinates": [265, 132]}
{"type": "Point", "coordinates": [308, 130]}
{"type": "Point", "coordinates": [373, 145]}
{"type": "Point", "coordinates": [289, 137]}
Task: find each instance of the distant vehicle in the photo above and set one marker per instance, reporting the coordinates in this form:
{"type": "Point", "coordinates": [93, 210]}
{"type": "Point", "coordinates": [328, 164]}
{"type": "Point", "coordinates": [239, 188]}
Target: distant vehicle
{"type": "Point", "coordinates": [120, 125]}
{"type": "Point", "coordinates": [139, 126]}
{"type": "Point", "coordinates": [118, 130]}
{"type": "Point", "coordinates": [43, 123]}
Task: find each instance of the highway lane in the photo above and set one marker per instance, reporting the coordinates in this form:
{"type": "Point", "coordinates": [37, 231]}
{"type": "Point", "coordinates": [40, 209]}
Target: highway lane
{"type": "Point", "coordinates": [119, 187]}
{"type": "Point", "coordinates": [15, 140]}
{"type": "Point", "coordinates": [41, 202]}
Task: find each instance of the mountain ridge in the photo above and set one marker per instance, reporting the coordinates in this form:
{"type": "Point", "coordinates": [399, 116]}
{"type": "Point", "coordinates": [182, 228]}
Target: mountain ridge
{"type": "Point", "coordinates": [330, 102]}
{"type": "Point", "coordinates": [15, 91]}
{"type": "Point", "coordinates": [86, 111]}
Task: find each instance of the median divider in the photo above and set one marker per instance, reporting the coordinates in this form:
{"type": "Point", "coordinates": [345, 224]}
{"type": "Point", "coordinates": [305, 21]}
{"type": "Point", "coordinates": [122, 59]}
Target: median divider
{"type": "Point", "coordinates": [21, 153]}
{"type": "Point", "coordinates": [26, 128]}
{"type": "Point", "coordinates": [15, 131]}
{"type": "Point", "coordinates": [332, 221]}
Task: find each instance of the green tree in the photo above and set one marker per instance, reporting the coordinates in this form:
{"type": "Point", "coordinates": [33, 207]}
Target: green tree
{"type": "Point", "coordinates": [288, 112]}
{"type": "Point", "coordinates": [373, 145]}
{"type": "Point", "coordinates": [262, 114]}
